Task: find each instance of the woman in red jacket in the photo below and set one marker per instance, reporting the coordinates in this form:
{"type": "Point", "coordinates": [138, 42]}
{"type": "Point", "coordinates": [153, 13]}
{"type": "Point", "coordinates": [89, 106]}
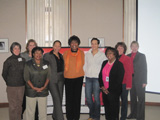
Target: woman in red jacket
{"type": "Point", "coordinates": [127, 80]}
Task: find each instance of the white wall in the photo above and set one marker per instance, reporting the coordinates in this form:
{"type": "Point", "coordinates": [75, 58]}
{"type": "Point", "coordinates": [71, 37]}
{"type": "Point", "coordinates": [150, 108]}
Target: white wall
{"type": "Point", "coordinates": [98, 18]}
{"type": "Point", "coordinates": [12, 26]}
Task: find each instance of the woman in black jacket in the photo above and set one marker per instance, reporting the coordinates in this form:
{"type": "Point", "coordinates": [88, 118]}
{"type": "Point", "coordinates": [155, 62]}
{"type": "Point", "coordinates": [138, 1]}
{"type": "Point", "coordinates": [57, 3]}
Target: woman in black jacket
{"type": "Point", "coordinates": [12, 73]}
{"type": "Point", "coordinates": [110, 80]}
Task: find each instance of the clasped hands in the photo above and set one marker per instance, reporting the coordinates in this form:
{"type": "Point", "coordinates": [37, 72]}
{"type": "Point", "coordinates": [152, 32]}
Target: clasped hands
{"type": "Point", "coordinates": [105, 90]}
{"type": "Point", "coordinates": [38, 89]}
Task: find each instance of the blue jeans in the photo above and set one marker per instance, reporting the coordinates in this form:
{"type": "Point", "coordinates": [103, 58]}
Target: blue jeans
{"type": "Point", "coordinates": [92, 88]}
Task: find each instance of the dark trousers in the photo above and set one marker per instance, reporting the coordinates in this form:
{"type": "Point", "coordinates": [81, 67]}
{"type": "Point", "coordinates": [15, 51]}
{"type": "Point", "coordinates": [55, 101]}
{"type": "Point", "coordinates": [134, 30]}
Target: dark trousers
{"type": "Point", "coordinates": [137, 95]}
{"type": "Point", "coordinates": [24, 108]}
{"type": "Point", "coordinates": [73, 89]}
{"type": "Point", "coordinates": [124, 99]}
{"type": "Point", "coordinates": [111, 106]}
{"type": "Point", "coordinates": [56, 90]}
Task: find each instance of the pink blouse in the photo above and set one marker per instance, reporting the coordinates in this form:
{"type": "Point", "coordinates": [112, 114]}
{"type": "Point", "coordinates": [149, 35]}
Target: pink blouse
{"type": "Point", "coordinates": [105, 74]}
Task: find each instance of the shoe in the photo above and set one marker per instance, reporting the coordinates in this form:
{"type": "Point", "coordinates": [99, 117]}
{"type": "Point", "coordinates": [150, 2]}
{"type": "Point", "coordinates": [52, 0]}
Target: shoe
{"type": "Point", "coordinates": [131, 117]}
{"type": "Point", "coordinates": [53, 118]}
{"type": "Point", "coordinates": [90, 119]}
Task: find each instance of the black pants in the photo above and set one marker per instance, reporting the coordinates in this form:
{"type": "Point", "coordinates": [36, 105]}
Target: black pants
{"type": "Point", "coordinates": [124, 99]}
{"type": "Point", "coordinates": [111, 106]}
{"type": "Point", "coordinates": [24, 108]}
{"type": "Point", "coordinates": [73, 89]}
{"type": "Point", "coordinates": [138, 101]}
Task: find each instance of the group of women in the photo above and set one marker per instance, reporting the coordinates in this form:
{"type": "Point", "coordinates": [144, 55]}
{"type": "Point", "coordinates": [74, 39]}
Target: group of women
{"type": "Point", "coordinates": [112, 73]}
{"type": "Point", "coordinates": [34, 74]}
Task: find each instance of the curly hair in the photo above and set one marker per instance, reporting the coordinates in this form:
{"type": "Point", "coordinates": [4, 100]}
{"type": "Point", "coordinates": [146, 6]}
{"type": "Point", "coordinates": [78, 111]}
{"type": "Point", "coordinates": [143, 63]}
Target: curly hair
{"type": "Point", "coordinates": [74, 38]}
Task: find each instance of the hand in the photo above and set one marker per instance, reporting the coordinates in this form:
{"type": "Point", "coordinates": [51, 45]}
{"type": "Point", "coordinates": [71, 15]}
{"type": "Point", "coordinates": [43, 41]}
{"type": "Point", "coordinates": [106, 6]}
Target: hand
{"type": "Point", "coordinates": [105, 90]}
{"type": "Point", "coordinates": [144, 85]}
{"type": "Point", "coordinates": [84, 84]}
{"type": "Point", "coordinates": [39, 90]}
{"type": "Point", "coordinates": [35, 88]}
{"type": "Point", "coordinates": [42, 88]}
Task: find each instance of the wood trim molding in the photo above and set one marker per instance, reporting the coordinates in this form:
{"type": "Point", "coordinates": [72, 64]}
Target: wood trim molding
{"type": "Point", "coordinates": [149, 103]}
{"type": "Point", "coordinates": [3, 105]}
{"type": "Point", "coordinates": [152, 104]}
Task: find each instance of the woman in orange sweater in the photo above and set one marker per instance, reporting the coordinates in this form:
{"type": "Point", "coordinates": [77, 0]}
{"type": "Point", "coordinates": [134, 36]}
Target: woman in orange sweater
{"type": "Point", "coordinates": [73, 74]}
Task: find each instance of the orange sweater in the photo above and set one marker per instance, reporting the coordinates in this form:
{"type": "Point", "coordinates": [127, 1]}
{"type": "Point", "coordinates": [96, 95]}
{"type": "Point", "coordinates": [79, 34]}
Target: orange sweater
{"type": "Point", "coordinates": [71, 73]}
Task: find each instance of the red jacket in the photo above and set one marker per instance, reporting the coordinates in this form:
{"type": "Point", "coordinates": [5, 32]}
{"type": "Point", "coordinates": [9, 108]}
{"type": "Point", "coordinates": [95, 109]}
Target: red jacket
{"type": "Point", "coordinates": [128, 68]}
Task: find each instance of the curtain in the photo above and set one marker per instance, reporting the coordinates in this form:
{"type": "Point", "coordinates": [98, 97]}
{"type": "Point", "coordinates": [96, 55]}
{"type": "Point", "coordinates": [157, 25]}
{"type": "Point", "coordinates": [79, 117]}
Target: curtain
{"type": "Point", "coordinates": [47, 21]}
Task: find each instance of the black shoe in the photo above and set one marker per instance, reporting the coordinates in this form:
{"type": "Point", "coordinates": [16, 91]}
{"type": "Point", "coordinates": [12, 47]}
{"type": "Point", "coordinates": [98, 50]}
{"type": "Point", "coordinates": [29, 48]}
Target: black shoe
{"type": "Point", "coordinates": [53, 118]}
{"type": "Point", "coordinates": [131, 117]}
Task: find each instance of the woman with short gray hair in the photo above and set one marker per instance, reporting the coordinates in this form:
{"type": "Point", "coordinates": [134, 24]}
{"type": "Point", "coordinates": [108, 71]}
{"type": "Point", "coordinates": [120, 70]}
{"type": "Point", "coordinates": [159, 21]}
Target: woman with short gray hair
{"type": "Point", "coordinates": [12, 74]}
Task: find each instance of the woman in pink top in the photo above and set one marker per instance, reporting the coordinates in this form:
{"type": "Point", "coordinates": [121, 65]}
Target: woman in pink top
{"type": "Point", "coordinates": [110, 80]}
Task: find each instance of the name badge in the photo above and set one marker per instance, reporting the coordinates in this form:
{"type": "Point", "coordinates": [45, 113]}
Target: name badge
{"type": "Point", "coordinates": [45, 66]}
{"type": "Point", "coordinates": [19, 59]}
{"type": "Point", "coordinates": [107, 79]}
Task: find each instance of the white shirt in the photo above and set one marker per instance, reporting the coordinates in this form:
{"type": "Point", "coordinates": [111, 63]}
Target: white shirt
{"type": "Point", "coordinates": [93, 64]}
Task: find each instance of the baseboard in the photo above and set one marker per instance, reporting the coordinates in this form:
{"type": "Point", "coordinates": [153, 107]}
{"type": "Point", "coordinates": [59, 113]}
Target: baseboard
{"type": "Point", "coordinates": [2, 105]}
{"type": "Point", "coordinates": [150, 103]}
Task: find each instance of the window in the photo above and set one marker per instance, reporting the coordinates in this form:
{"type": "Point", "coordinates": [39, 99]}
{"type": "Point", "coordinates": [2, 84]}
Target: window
{"type": "Point", "coordinates": [47, 21]}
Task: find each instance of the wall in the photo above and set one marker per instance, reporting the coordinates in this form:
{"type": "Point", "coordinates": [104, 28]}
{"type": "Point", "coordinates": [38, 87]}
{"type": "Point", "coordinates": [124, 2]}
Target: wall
{"type": "Point", "coordinates": [98, 18]}
{"type": "Point", "coordinates": [12, 26]}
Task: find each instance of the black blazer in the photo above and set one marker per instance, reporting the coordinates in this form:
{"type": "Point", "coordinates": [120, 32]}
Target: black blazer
{"type": "Point", "coordinates": [115, 77]}
{"type": "Point", "coordinates": [140, 69]}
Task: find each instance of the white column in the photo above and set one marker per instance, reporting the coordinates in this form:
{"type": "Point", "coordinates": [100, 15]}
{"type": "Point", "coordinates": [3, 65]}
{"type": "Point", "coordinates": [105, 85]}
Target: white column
{"type": "Point", "coordinates": [129, 22]}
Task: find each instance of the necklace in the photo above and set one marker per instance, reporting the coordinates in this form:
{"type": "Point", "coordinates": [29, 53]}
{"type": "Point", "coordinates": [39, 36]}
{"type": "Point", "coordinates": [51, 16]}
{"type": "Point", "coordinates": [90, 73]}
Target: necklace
{"type": "Point", "coordinates": [38, 65]}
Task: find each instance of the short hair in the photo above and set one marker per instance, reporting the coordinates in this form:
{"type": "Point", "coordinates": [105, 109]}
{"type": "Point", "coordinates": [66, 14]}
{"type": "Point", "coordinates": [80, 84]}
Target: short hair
{"type": "Point", "coordinates": [115, 52]}
{"type": "Point", "coordinates": [98, 41]}
{"type": "Point", "coordinates": [122, 44]}
{"type": "Point", "coordinates": [134, 42]}
{"type": "Point", "coordinates": [29, 41]}
{"type": "Point", "coordinates": [58, 42]}
{"type": "Point", "coordinates": [36, 49]}
{"type": "Point", "coordinates": [74, 38]}
{"type": "Point", "coordinates": [13, 45]}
